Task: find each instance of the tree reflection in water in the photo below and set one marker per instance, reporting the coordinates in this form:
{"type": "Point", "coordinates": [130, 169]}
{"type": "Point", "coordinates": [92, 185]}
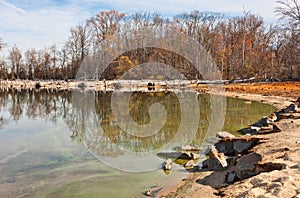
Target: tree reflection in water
{"type": "Point", "coordinates": [89, 116]}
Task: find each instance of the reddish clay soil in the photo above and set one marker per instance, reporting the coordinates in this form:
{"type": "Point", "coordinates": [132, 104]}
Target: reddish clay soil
{"type": "Point", "coordinates": [285, 89]}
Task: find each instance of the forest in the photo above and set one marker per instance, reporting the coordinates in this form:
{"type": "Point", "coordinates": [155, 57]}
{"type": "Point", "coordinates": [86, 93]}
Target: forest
{"type": "Point", "coordinates": [242, 46]}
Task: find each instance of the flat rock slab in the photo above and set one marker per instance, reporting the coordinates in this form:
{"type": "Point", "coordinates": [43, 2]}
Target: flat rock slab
{"type": "Point", "coordinates": [234, 146]}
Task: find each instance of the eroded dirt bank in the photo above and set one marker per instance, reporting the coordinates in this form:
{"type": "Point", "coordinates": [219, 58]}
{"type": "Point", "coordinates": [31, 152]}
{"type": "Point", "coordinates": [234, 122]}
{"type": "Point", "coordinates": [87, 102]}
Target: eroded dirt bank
{"type": "Point", "coordinates": [279, 153]}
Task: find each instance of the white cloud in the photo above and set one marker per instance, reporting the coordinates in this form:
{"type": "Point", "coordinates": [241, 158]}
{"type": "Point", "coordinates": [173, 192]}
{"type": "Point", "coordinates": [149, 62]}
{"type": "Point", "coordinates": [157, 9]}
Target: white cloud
{"type": "Point", "coordinates": [35, 23]}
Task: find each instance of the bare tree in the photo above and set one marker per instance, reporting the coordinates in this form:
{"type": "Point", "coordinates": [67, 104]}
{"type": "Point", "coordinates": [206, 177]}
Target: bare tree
{"type": "Point", "coordinates": [31, 62]}
{"type": "Point", "coordinates": [290, 11]}
{"type": "Point", "coordinates": [290, 15]}
{"type": "Point", "coordinates": [105, 24]}
{"type": "Point", "coordinates": [78, 46]}
{"type": "Point", "coordinates": [15, 57]}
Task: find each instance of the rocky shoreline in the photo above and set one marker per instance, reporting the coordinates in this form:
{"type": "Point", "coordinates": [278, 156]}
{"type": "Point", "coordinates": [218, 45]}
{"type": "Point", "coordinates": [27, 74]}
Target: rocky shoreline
{"type": "Point", "coordinates": [103, 85]}
{"type": "Point", "coordinates": [264, 164]}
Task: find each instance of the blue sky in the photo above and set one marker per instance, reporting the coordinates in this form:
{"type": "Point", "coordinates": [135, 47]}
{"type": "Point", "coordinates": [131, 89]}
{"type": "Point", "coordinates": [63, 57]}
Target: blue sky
{"type": "Point", "coordinates": [39, 23]}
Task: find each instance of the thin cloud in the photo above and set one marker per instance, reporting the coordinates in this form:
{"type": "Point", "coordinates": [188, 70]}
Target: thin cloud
{"type": "Point", "coordinates": [35, 23]}
{"type": "Point", "coordinates": [9, 5]}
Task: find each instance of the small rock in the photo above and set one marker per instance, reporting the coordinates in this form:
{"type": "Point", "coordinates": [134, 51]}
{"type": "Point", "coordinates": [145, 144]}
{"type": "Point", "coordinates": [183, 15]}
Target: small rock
{"type": "Point", "coordinates": [152, 191]}
{"type": "Point", "coordinates": [167, 165]}
{"type": "Point", "coordinates": [38, 85]}
{"type": "Point", "coordinates": [272, 118]}
{"type": "Point", "coordinates": [187, 148]}
{"type": "Point", "coordinates": [195, 156]}
{"type": "Point", "coordinates": [189, 164]}
{"type": "Point", "coordinates": [148, 193]}
{"type": "Point", "coordinates": [224, 134]}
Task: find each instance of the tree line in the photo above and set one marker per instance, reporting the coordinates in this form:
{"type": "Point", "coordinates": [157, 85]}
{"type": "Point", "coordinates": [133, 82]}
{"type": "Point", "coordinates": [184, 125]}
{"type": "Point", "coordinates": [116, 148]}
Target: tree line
{"type": "Point", "coordinates": [242, 47]}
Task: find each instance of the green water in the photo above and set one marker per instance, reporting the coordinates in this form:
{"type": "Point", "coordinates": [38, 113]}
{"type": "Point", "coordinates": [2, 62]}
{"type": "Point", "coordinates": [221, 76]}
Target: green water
{"type": "Point", "coordinates": [97, 144]}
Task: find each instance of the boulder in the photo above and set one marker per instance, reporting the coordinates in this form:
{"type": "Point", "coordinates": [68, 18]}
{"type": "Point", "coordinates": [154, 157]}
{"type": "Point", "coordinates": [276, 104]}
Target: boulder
{"type": "Point", "coordinates": [224, 134]}
{"type": "Point", "coordinates": [217, 161]}
{"type": "Point", "coordinates": [241, 146]}
{"type": "Point", "coordinates": [225, 146]}
{"type": "Point", "coordinates": [290, 109]}
{"type": "Point", "coordinates": [233, 146]}
{"type": "Point", "coordinates": [262, 122]}
{"type": "Point", "coordinates": [249, 130]}
{"type": "Point", "coordinates": [246, 165]}
{"type": "Point", "coordinates": [231, 177]}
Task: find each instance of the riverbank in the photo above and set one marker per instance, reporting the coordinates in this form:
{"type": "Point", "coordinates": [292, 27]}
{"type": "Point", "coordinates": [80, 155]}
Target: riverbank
{"type": "Point", "coordinates": [103, 85]}
{"type": "Point", "coordinates": [281, 148]}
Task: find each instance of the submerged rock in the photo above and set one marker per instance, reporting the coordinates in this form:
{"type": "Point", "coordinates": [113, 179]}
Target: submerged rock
{"type": "Point", "coordinates": [178, 155]}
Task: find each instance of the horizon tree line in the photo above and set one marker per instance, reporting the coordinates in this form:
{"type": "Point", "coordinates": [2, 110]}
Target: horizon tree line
{"type": "Point", "coordinates": [242, 47]}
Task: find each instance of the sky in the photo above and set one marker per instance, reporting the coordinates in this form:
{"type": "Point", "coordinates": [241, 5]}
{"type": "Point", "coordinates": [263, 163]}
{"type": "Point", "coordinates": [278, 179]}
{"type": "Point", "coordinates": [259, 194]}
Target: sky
{"type": "Point", "coordinates": [41, 23]}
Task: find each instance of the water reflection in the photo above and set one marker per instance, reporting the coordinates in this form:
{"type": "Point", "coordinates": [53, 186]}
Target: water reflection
{"type": "Point", "coordinates": [90, 117]}
{"type": "Point", "coordinates": [39, 131]}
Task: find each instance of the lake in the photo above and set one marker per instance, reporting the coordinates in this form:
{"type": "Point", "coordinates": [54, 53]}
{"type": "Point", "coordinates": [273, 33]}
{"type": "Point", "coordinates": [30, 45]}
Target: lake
{"type": "Point", "coordinates": [104, 144]}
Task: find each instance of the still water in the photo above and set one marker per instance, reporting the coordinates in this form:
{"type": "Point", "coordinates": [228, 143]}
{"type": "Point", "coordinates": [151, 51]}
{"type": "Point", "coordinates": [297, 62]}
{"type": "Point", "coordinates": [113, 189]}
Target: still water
{"type": "Point", "coordinates": [104, 144]}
